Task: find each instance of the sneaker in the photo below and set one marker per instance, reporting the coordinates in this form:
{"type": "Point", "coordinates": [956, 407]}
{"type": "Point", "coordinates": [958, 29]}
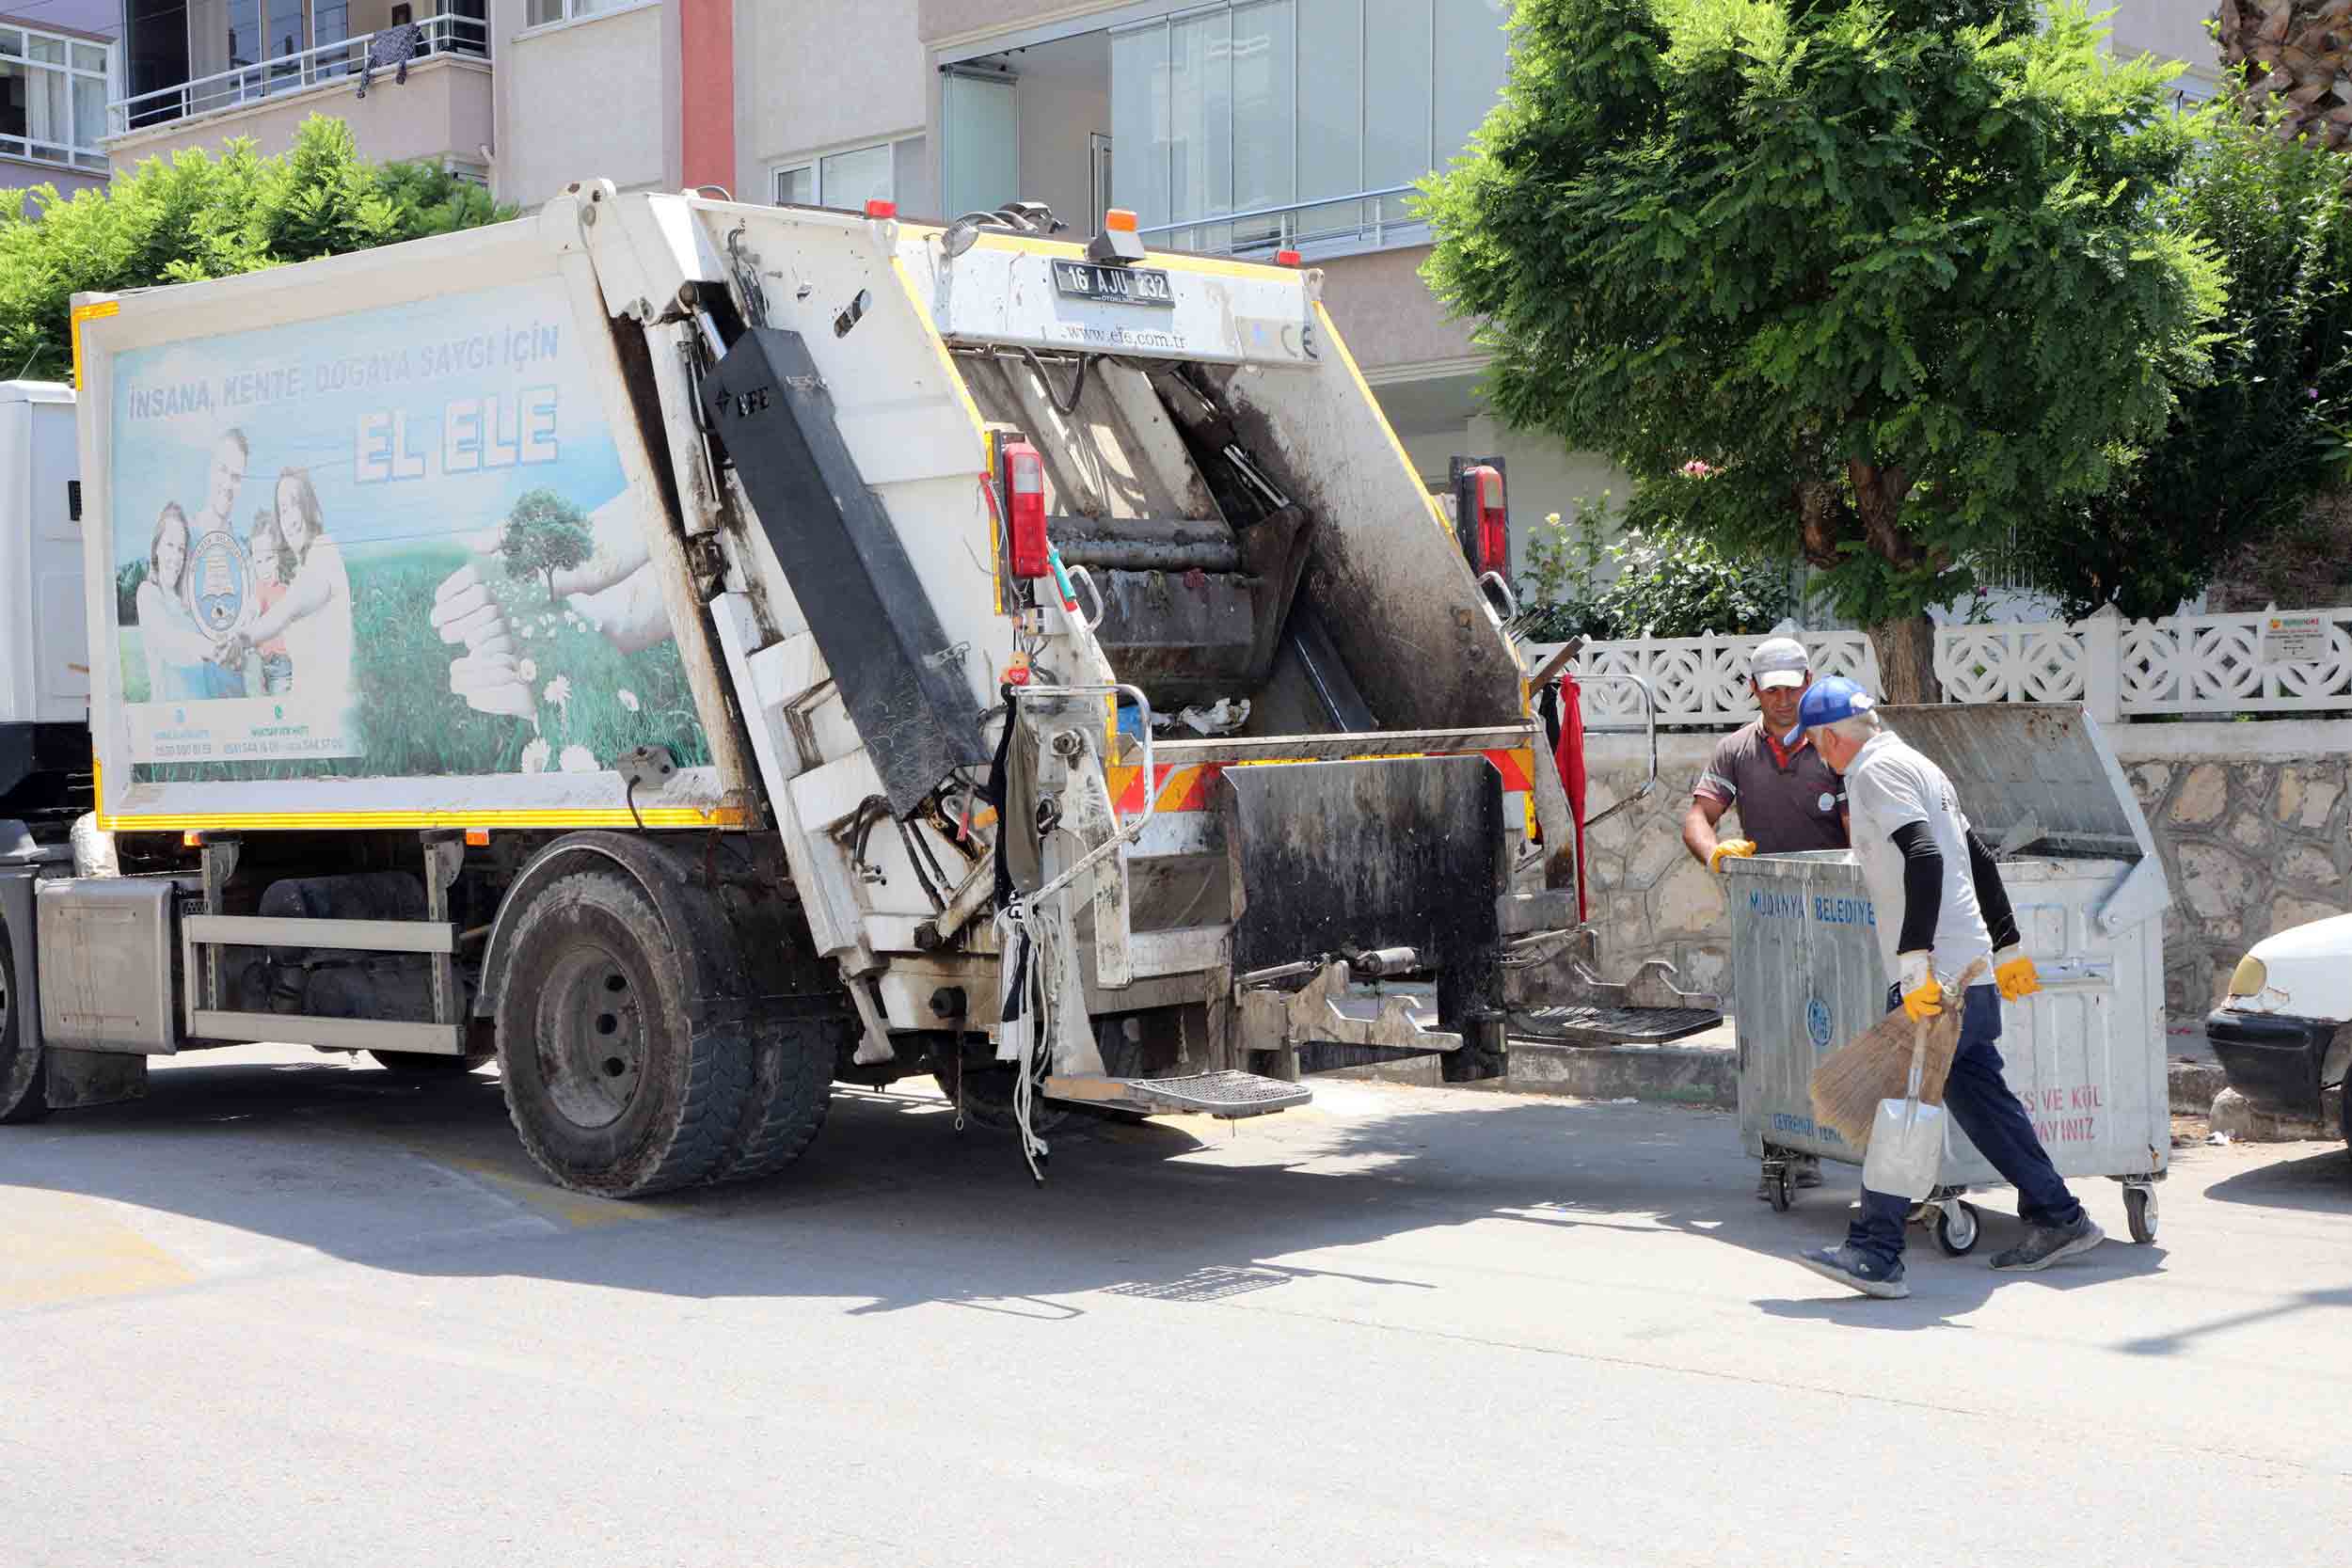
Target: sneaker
{"type": "Point", "coordinates": [1856, 1271]}
{"type": "Point", "coordinates": [2046, 1244]}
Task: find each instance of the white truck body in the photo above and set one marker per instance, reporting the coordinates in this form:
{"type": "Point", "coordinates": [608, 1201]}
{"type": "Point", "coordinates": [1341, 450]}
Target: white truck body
{"type": "Point", "coordinates": [652, 555]}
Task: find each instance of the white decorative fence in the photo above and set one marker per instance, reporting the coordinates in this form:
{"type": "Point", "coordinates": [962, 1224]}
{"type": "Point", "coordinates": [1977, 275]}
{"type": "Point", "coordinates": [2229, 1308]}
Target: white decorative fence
{"type": "Point", "coordinates": [2184, 664]}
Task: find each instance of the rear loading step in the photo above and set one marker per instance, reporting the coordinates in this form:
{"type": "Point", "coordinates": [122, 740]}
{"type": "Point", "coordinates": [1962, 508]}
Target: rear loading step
{"type": "Point", "coordinates": [1223, 1093]}
{"type": "Point", "coordinates": [1586, 1026]}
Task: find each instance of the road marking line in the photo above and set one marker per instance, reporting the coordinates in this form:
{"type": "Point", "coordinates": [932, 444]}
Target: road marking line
{"type": "Point", "coordinates": [61, 1248]}
{"type": "Point", "coordinates": [573, 1211]}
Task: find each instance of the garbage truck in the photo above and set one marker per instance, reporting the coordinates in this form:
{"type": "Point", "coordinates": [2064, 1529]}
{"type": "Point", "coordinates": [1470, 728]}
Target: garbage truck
{"type": "Point", "coordinates": [698, 653]}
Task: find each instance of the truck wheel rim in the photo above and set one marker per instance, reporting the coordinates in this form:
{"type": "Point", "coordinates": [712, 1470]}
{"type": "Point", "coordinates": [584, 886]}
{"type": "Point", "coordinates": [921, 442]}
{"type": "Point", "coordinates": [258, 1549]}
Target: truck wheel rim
{"type": "Point", "coordinates": [591, 1037]}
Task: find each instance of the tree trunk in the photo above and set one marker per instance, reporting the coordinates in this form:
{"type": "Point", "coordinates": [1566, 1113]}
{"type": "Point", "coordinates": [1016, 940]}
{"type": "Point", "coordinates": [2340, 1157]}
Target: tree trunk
{"type": "Point", "coordinates": [1906, 650]}
{"type": "Point", "coordinates": [1906, 647]}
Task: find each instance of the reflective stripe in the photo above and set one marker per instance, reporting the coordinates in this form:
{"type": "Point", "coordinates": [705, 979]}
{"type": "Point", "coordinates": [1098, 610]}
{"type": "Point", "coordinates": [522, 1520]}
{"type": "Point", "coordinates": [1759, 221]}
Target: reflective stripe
{"type": "Point", "coordinates": [1186, 786]}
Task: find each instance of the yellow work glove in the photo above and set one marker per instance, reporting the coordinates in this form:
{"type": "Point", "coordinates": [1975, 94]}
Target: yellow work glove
{"type": "Point", "coordinates": [1729, 849]}
{"type": "Point", "coordinates": [2014, 974]}
{"type": "Point", "coordinates": [1923, 994]}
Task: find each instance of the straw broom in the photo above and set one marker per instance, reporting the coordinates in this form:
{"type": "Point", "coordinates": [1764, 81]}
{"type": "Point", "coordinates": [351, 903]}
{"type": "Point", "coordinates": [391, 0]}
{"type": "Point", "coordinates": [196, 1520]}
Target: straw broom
{"type": "Point", "coordinates": [1876, 1065]}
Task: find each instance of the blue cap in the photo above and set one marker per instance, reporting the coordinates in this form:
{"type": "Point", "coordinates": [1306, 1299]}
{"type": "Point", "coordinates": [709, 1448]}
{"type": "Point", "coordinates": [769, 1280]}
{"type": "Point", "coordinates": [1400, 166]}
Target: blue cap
{"type": "Point", "coordinates": [1827, 701]}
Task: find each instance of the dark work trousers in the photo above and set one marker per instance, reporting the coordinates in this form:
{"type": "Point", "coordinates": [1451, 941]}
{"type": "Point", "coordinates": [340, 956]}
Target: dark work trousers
{"type": "Point", "coordinates": [1988, 1110]}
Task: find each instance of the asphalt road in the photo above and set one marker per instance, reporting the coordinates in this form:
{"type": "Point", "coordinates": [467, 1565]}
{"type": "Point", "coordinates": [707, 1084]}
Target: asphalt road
{"type": "Point", "coordinates": [290, 1311]}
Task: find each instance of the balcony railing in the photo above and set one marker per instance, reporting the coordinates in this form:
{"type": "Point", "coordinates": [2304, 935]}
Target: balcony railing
{"type": "Point", "coordinates": [1336, 223]}
{"type": "Point", "coordinates": [245, 84]}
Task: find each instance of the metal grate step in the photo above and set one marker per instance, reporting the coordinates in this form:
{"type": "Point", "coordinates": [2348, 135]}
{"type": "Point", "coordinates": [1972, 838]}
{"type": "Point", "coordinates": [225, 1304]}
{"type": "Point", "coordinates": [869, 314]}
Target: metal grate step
{"type": "Point", "coordinates": [1584, 1025]}
{"type": "Point", "coordinates": [1222, 1093]}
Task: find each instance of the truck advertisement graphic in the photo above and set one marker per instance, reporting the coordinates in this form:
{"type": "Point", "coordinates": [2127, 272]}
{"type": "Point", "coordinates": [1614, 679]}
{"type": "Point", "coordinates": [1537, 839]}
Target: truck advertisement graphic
{"type": "Point", "coordinates": [403, 549]}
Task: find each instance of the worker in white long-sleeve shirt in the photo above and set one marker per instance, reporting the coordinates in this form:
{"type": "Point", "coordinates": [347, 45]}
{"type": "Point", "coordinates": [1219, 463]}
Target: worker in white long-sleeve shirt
{"type": "Point", "coordinates": [1919, 855]}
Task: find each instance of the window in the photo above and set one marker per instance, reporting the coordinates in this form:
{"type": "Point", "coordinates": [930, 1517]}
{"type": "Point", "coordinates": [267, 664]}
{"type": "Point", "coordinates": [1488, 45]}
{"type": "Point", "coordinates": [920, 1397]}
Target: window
{"type": "Point", "coordinates": [52, 98]}
{"type": "Point", "coordinates": [540, 12]}
{"type": "Point", "coordinates": [1296, 111]}
{"type": "Point", "coordinates": [852, 177]}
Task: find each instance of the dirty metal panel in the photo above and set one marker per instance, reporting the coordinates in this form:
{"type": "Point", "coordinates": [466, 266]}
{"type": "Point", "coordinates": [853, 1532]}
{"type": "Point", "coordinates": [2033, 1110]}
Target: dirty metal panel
{"type": "Point", "coordinates": [1335, 857]}
{"type": "Point", "coordinates": [1584, 1025]}
{"type": "Point", "coordinates": [2046, 763]}
{"type": "Point", "coordinates": [1385, 577]}
{"type": "Point", "coordinates": [903, 684]}
{"type": "Point", "coordinates": [1183, 637]}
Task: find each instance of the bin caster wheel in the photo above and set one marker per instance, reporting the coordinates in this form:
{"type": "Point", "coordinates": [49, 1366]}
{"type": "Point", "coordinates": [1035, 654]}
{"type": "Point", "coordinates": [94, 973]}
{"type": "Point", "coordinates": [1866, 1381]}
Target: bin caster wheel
{"type": "Point", "coordinates": [2140, 1211]}
{"type": "Point", "coordinates": [1956, 1229]}
{"type": "Point", "coordinates": [1781, 1186]}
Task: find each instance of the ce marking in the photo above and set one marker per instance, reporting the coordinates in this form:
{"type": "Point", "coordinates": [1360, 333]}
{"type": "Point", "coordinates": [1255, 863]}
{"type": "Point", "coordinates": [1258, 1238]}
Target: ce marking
{"type": "Point", "coordinates": [1300, 341]}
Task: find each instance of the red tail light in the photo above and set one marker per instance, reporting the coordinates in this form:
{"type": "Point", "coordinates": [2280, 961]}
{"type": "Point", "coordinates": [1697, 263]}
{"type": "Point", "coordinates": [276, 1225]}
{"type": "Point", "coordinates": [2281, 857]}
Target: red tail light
{"type": "Point", "coordinates": [1024, 500]}
{"type": "Point", "coordinates": [1492, 549]}
{"type": "Point", "coordinates": [1286, 257]}
{"type": "Point", "coordinates": [878, 208]}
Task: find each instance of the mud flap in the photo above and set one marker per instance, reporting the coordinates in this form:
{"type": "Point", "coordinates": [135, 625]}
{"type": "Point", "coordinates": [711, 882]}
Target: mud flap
{"type": "Point", "coordinates": [1334, 858]}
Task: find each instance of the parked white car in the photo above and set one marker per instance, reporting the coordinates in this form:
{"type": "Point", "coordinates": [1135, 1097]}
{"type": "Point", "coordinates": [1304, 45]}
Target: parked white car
{"type": "Point", "coordinates": [2284, 1034]}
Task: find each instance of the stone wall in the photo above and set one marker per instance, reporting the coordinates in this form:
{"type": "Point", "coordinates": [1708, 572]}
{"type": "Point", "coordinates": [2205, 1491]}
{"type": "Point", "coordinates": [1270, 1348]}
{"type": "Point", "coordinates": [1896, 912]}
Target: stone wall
{"type": "Point", "coordinates": [2252, 831]}
{"type": "Point", "coordinates": [2253, 821]}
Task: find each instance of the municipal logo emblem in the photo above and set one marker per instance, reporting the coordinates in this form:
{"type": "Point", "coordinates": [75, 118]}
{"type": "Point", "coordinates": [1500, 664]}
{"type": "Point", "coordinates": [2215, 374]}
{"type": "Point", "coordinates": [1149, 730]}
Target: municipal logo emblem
{"type": "Point", "coordinates": [220, 574]}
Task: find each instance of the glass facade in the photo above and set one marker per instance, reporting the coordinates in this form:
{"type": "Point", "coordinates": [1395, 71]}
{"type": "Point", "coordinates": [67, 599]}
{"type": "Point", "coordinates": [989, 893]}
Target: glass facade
{"type": "Point", "coordinates": [52, 98]}
{"type": "Point", "coordinates": [1296, 111]}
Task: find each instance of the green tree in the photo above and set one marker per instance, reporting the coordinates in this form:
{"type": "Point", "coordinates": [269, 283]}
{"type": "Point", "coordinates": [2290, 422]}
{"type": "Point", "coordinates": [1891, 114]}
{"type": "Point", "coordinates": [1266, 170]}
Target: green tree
{"type": "Point", "coordinates": [544, 534]}
{"type": "Point", "coordinates": [1657, 581]}
{"type": "Point", "coordinates": [1895, 273]}
{"type": "Point", "coordinates": [2246, 453]}
{"type": "Point", "coordinates": [197, 215]}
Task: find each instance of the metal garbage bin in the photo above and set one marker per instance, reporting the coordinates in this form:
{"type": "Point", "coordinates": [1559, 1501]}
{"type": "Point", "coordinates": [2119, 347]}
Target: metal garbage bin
{"type": "Point", "coordinates": [2084, 1055]}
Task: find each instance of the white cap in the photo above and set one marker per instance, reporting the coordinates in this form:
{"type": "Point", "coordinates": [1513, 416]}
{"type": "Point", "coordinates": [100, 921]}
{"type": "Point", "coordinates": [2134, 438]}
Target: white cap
{"type": "Point", "coordinates": [1779, 661]}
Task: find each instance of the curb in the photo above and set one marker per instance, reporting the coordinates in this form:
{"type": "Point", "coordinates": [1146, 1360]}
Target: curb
{"type": "Point", "coordinates": [2195, 1086]}
{"type": "Point", "coordinates": [2235, 1114]}
{"type": "Point", "coordinates": [1699, 1075]}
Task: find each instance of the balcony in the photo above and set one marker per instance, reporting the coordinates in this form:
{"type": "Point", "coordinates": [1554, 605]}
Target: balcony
{"type": "Point", "coordinates": [1340, 226]}
{"type": "Point", "coordinates": [443, 110]}
{"type": "Point", "coordinates": [1239, 126]}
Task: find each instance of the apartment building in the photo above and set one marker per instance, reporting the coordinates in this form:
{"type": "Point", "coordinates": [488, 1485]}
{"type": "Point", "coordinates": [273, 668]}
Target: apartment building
{"type": "Point", "coordinates": [57, 61]}
{"type": "Point", "coordinates": [523, 95]}
{"type": "Point", "coordinates": [1237, 126]}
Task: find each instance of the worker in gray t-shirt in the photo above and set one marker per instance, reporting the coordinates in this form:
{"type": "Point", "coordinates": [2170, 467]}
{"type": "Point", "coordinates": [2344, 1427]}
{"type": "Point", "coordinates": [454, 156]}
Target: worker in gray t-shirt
{"type": "Point", "coordinates": [1920, 857]}
{"type": "Point", "coordinates": [1788, 799]}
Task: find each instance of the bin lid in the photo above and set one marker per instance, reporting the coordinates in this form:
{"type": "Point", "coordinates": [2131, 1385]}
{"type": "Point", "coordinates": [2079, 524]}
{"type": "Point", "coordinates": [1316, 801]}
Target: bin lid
{"type": "Point", "coordinates": [2032, 777]}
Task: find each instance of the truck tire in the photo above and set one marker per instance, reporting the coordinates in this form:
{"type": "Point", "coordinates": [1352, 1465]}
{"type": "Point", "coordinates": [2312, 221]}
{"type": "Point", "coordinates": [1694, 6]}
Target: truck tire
{"type": "Point", "coordinates": [23, 1086]}
{"type": "Point", "coordinates": [612, 1088]}
{"type": "Point", "coordinates": [791, 1090]}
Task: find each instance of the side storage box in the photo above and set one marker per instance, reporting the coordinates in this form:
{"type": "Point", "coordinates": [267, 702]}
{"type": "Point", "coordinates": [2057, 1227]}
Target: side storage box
{"type": "Point", "coordinates": [106, 964]}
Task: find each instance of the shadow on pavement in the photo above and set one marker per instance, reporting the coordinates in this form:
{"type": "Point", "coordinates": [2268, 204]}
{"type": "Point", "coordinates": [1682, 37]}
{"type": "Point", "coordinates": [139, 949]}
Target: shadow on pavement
{"type": "Point", "coordinates": [891, 1209]}
{"type": "Point", "coordinates": [2321, 1184]}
